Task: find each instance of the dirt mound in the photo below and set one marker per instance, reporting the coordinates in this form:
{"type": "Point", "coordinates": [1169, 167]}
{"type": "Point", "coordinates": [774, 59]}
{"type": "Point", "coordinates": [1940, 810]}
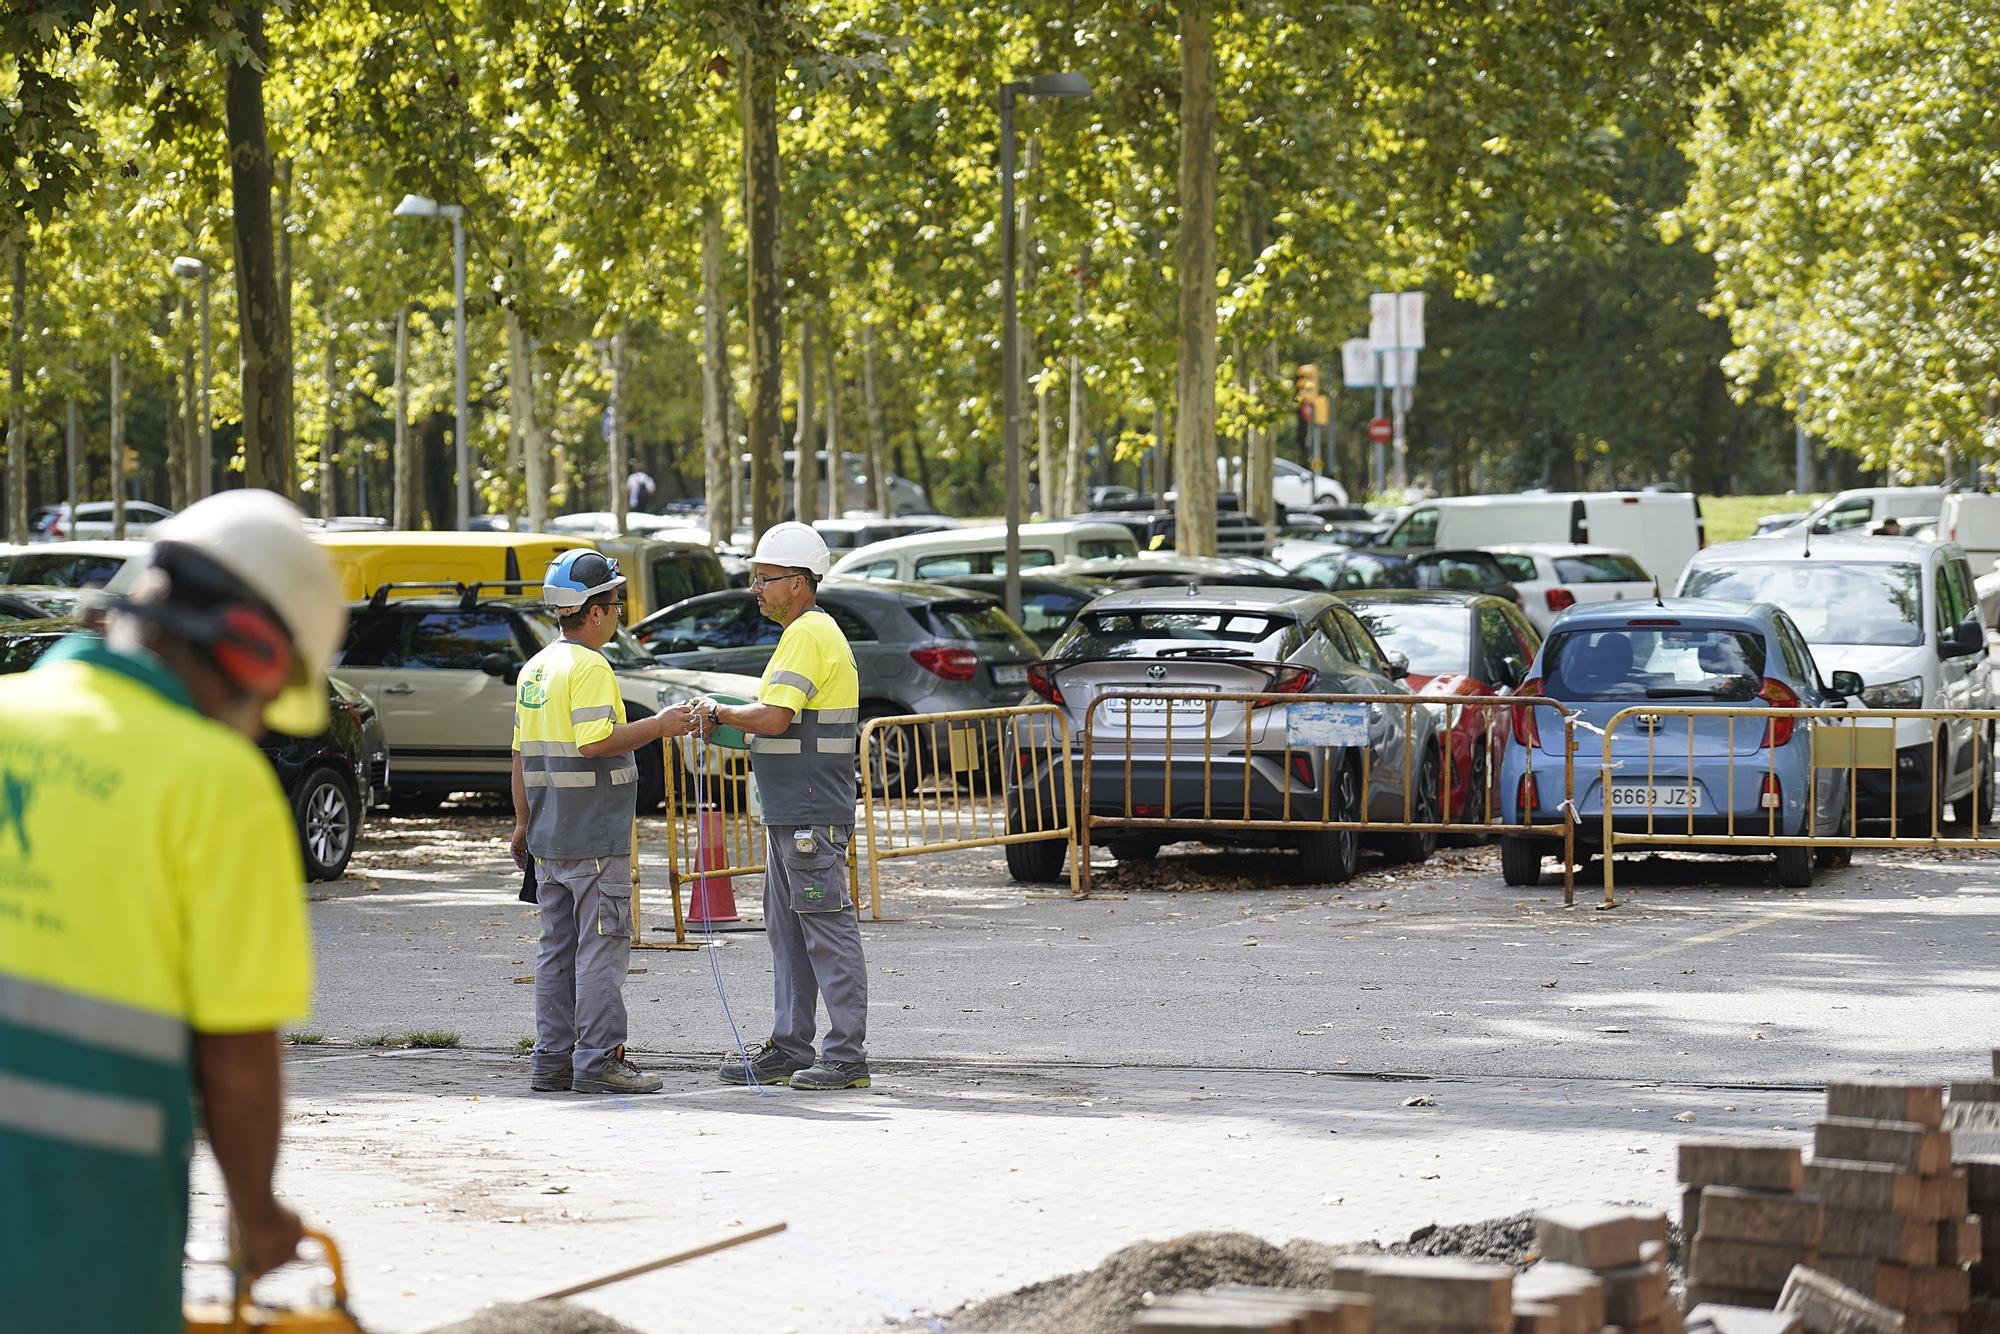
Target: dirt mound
{"type": "Point", "coordinates": [537, 1318]}
{"type": "Point", "coordinates": [1500, 1240]}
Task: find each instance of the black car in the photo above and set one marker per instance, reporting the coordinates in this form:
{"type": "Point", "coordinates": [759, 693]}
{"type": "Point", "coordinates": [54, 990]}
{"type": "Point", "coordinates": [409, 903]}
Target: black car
{"type": "Point", "coordinates": [1411, 567]}
{"type": "Point", "coordinates": [330, 779]}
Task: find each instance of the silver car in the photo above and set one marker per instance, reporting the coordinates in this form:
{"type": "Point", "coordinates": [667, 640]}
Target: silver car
{"type": "Point", "coordinates": [1230, 640]}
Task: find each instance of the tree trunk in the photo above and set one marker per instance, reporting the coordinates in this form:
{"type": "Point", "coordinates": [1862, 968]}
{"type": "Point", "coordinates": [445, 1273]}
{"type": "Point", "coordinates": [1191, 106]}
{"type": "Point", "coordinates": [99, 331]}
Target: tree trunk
{"type": "Point", "coordinates": [329, 446]}
{"type": "Point", "coordinates": [614, 446]}
{"type": "Point", "coordinates": [264, 334]}
{"type": "Point", "coordinates": [758, 110]}
{"type": "Point", "coordinates": [871, 409]}
{"type": "Point", "coordinates": [403, 482]}
{"type": "Point", "coordinates": [17, 405]}
{"type": "Point", "coordinates": [1071, 501]}
{"type": "Point", "coordinates": [1254, 484]}
{"type": "Point", "coordinates": [834, 481]}
{"type": "Point", "coordinates": [521, 403]}
{"type": "Point", "coordinates": [1194, 255]}
{"type": "Point", "coordinates": [1263, 463]}
{"type": "Point", "coordinates": [1031, 361]}
{"type": "Point", "coordinates": [287, 415]}
{"type": "Point", "coordinates": [118, 446]}
{"type": "Point", "coordinates": [71, 459]}
{"type": "Point", "coordinates": [805, 440]}
{"type": "Point", "coordinates": [716, 465]}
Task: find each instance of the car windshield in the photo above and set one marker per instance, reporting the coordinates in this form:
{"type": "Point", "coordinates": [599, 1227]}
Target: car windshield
{"type": "Point", "coordinates": [1436, 640]}
{"type": "Point", "coordinates": [1461, 570]}
{"type": "Point", "coordinates": [622, 652]}
{"type": "Point", "coordinates": [1140, 634]}
{"type": "Point", "coordinates": [1606, 567]}
{"type": "Point", "coordinates": [1832, 603]}
{"type": "Point", "coordinates": [64, 569]}
{"type": "Point", "coordinates": [969, 620]}
{"type": "Point", "coordinates": [1653, 662]}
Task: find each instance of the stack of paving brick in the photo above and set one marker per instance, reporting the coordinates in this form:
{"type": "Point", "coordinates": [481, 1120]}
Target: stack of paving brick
{"type": "Point", "coordinates": [1973, 1118]}
{"type": "Point", "coordinates": [1240, 1309]}
{"type": "Point", "coordinates": [1430, 1296]}
{"type": "Point", "coordinates": [1622, 1253]}
{"type": "Point", "coordinates": [1896, 1225]}
{"type": "Point", "coordinates": [1744, 1221]}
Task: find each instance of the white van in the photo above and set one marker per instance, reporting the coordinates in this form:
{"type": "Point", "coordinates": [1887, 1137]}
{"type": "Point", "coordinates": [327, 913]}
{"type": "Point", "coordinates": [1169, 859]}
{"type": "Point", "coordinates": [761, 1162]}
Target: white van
{"type": "Point", "coordinates": [961, 551]}
{"type": "Point", "coordinates": [1661, 529]}
{"type": "Point", "coordinates": [1899, 612]}
{"type": "Point", "coordinates": [1971, 519]}
{"type": "Point", "coordinates": [1860, 509]}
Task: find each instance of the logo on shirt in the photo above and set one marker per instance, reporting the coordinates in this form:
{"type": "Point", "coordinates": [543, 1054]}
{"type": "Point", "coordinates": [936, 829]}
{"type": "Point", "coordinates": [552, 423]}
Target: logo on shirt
{"type": "Point", "coordinates": [534, 690]}
{"type": "Point", "coordinates": [16, 794]}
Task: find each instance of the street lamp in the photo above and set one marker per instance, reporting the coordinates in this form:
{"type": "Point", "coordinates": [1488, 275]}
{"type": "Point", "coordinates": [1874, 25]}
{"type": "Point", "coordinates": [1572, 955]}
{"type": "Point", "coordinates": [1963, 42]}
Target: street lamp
{"type": "Point", "coordinates": [1042, 85]}
{"type": "Point", "coordinates": [417, 206]}
{"type": "Point", "coordinates": [187, 266]}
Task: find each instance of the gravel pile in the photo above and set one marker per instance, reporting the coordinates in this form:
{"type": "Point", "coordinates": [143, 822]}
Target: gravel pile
{"type": "Point", "coordinates": [537, 1318]}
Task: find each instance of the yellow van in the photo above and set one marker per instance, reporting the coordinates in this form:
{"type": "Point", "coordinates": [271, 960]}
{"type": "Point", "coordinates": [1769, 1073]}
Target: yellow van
{"type": "Point", "coordinates": [660, 572]}
{"type": "Point", "coordinates": [364, 561]}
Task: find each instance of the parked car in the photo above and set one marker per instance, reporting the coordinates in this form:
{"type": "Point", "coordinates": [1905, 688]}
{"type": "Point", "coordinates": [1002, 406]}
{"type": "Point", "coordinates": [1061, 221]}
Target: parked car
{"type": "Point", "coordinates": [1772, 523]}
{"type": "Point", "coordinates": [83, 564]}
{"type": "Point", "coordinates": [442, 670]}
{"type": "Point", "coordinates": [1662, 530]}
{"type": "Point", "coordinates": [1170, 569]}
{"type": "Point", "coordinates": [1904, 616]}
{"type": "Point", "coordinates": [1250, 640]}
{"type": "Point", "coordinates": [331, 779]}
{"type": "Point", "coordinates": [1972, 520]}
{"type": "Point", "coordinates": [1236, 533]}
{"type": "Point", "coordinates": [1863, 508]}
{"type": "Point", "coordinates": [1551, 576]}
{"type": "Point", "coordinates": [604, 523]}
{"type": "Point", "coordinates": [847, 534]}
{"type": "Point", "coordinates": [919, 648]}
{"type": "Point", "coordinates": [1293, 485]}
{"type": "Point", "coordinates": [1600, 660]}
{"type": "Point", "coordinates": [1457, 644]}
{"type": "Point", "coordinates": [983, 550]}
{"type": "Point", "coordinates": [92, 519]}
{"type": "Point", "coordinates": [366, 561]}
{"type": "Point", "coordinates": [1466, 571]}
{"type": "Point", "coordinates": [34, 602]}
{"type": "Point", "coordinates": [1049, 600]}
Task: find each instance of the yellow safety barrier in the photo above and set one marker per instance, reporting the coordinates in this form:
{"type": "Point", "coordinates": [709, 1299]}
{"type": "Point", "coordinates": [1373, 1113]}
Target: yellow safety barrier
{"type": "Point", "coordinates": [1708, 812]}
{"type": "Point", "coordinates": [944, 782]}
{"type": "Point", "coordinates": [1187, 741]}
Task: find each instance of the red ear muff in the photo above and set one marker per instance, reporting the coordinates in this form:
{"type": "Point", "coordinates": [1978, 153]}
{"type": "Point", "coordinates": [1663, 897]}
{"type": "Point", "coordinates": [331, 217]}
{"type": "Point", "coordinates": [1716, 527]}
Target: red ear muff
{"type": "Point", "coordinates": [251, 650]}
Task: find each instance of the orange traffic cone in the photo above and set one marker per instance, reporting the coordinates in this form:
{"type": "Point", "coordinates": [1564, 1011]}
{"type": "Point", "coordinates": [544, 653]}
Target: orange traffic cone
{"type": "Point", "coordinates": [713, 900]}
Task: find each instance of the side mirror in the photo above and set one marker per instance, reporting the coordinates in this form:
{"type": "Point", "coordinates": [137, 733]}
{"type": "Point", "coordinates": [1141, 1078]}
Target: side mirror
{"type": "Point", "coordinates": [495, 664]}
{"type": "Point", "coordinates": [1821, 527]}
{"type": "Point", "coordinates": [1848, 684]}
{"type": "Point", "coordinates": [1967, 638]}
{"type": "Point", "coordinates": [1399, 666]}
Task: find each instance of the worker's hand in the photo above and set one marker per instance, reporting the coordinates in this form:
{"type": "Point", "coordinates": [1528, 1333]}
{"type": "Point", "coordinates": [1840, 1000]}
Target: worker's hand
{"type": "Point", "coordinates": [705, 713]}
{"type": "Point", "coordinates": [518, 846]}
{"type": "Point", "coordinates": [269, 1239]}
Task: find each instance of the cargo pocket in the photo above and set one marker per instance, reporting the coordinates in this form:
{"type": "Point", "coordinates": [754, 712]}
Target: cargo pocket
{"type": "Point", "coordinates": [614, 899]}
{"type": "Point", "coordinates": [818, 878]}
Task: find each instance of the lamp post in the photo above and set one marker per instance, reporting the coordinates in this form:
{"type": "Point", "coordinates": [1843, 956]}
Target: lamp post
{"type": "Point", "coordinates": [1042, 85]}
{"type": "Point", "coordinates": [187, 266]}
{"type": "Point", "coordinates": [417, 206]}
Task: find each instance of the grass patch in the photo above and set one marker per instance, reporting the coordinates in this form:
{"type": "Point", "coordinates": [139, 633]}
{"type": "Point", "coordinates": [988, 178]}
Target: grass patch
{"type": "Point", "coordinates": [524, 1044]}
{"type": "Point", "coordinates": [299, 1037]}
{"type": "Point", "coordinates": [430, 1038]}
{"type": "Point", "coordinates": [1732, 517]}
{"type": "Point", "coordinates": [376, 1040]}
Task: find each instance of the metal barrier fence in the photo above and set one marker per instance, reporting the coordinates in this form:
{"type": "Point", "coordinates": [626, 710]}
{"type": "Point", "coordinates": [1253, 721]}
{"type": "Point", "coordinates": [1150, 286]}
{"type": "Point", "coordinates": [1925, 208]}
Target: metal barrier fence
{"type": "Point", "coordinates": [1703, 804]}
{"type": "Point", "coordinates": [1274, 785]}
{"type": "Point", "coordinates": [944, 782]}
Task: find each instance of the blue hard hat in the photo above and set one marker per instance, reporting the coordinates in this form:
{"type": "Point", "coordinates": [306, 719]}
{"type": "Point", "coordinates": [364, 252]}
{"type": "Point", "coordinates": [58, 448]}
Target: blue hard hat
{"type": "Point", "coordinates": [578, 575]}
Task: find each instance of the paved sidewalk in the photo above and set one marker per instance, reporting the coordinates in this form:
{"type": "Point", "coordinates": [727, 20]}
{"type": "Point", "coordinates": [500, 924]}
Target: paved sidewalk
{"type": "Point", "coordinates": [450, 1186]}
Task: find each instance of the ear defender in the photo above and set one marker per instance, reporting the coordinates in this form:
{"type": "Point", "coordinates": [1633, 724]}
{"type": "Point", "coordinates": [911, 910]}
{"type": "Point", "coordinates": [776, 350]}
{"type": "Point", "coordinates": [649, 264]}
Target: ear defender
{"type": "Point", "coordinates": [251, 650]}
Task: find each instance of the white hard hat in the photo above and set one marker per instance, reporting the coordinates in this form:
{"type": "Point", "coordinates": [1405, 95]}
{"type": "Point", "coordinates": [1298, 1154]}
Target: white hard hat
{"type": "Point", "coordinates": [794, 545]}
{"type": "Point", "coordinates": [258, 538]}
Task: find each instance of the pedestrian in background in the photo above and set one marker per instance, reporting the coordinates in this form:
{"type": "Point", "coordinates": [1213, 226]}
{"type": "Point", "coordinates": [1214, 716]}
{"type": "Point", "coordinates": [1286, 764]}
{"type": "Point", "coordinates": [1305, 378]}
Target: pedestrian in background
{"type": "Point", "coordinates": [802, 737]}
{"type": "Point", "coordinates": [152, 917]}
{"type": "Point", "coordinates": [639, 489]}
{"type": "Point", "coordinates": [575, 799]}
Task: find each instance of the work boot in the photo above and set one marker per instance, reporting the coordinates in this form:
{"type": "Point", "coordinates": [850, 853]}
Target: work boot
{"type": "Point", "coordinates": [770, 1065]}
{"type": "Point", "coordinates": [825, 1076]}
{"type": "Point", "coordinates": [618, 1075]}
{"type": "Point", "coordinates": [551, 1081]}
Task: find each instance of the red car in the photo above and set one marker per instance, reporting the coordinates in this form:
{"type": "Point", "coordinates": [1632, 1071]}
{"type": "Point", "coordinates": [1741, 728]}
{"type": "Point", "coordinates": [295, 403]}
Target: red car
{"type": "Point", "coordinates": [1457, 644]}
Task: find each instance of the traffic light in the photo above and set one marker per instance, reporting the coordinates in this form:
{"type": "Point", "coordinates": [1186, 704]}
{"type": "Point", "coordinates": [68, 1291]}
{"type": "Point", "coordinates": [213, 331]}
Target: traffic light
{"type": "Point", "coordinates": [1322, 409]}
{"type": "Point", "coordinates": [1305, 380]}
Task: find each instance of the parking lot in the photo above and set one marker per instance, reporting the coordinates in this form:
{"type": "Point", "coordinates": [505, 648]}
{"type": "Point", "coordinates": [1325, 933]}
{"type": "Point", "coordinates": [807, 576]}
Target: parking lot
{"type": "Point", "coordinates": [1217, 1048]}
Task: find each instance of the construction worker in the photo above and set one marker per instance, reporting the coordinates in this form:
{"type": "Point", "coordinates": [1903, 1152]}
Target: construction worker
{"type": "Point", "coordinates": [152, 916]}
{"type": "Point", "coordinates": [575, 797]}
{"type": "Point", "coordinates": [802, 734]}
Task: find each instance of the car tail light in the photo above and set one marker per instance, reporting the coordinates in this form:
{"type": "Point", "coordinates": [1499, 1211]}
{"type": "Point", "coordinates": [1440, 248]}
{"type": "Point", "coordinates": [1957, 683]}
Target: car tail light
{"type": "Point", "coordinates": [1289, 681]}
{"type": "Point", "coordinates": [1043, 682]}
{"type": "Point", "coordinates": [1526, 798]}
{"type": "Point", "coordinates": [1779, 696]}
{"type": "Point", "coordinates": [1772, 795]}
{"type": "Point", "coordinates": [953, 664]}
{"type": "Point", "coordinates": [1526, 732]}
{"type": "Point", "coordinates": [1558, 598]}
{"type": "Point", "coordinates": [1302, 771]}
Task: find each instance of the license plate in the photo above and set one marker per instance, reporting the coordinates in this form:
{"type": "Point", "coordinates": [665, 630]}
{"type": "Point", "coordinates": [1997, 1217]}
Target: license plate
{"type": "Point", "coordinates": [1010, 676]}
{"type": "Point", "coordinates": [1640, 796]}
{"type": "Point", "coordinates": [1152, 706]}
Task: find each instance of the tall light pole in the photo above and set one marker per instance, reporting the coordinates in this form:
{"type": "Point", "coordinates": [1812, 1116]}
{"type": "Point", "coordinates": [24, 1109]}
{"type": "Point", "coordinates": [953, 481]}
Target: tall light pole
{"type": "Point", "coordinates": [1042, 85]}
{"type": "Point", "coordinates": [187, 266]}
{"type": "Point", "coordinates": [416, 206]}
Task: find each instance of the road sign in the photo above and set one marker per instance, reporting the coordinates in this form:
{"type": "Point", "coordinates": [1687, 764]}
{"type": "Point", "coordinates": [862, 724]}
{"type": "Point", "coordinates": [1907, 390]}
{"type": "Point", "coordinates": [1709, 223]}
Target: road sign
{"type": "Point", "coordinates": [1381, 430]}
{"type": "Point", "coordinates": [1395, 319]}
{"type": "Point", "coordinates": [1357, 366]}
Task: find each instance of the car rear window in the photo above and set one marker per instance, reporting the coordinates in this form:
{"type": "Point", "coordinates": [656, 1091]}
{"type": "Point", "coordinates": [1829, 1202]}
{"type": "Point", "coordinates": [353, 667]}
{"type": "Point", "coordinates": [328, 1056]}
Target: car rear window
{"type": "Point", "coordinates": [1517, 567]}
{"type": "Point", "coordinates": [1603, 568]}
{"type": "Point", "coordinates": [1654, 662]}
{"type": "Point", "coordinates": [968, 620]}
{"type": "Point", "coordinates": [1436, 640]}
{"type": "Point", "coordinates": [1830, 602]}
{"type": "Point", "coordinates": [1469, 571]}
{"type": "Point", "coordinates": [1128, 634]}
{"type": "Point", "coordinates": [1106, 548]}
{"type": "Point", "coordinates": [683, 575]}
{"type": "Point", "coordinates": [64, 570]}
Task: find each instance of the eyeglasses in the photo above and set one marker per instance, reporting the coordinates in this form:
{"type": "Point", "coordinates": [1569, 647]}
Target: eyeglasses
{"type": "Point", "coordinates": [765, 581]}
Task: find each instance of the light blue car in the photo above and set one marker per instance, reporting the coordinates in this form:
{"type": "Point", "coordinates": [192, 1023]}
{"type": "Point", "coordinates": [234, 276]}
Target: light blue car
{"type": "Point", "coordinates": [1681, 652]}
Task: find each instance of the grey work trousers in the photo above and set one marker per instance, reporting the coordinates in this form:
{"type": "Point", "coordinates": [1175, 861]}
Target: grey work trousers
{"type": "Point", "coordinates": [580, 963]}
{"type": "Point", "coordinates": [815, 945]}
